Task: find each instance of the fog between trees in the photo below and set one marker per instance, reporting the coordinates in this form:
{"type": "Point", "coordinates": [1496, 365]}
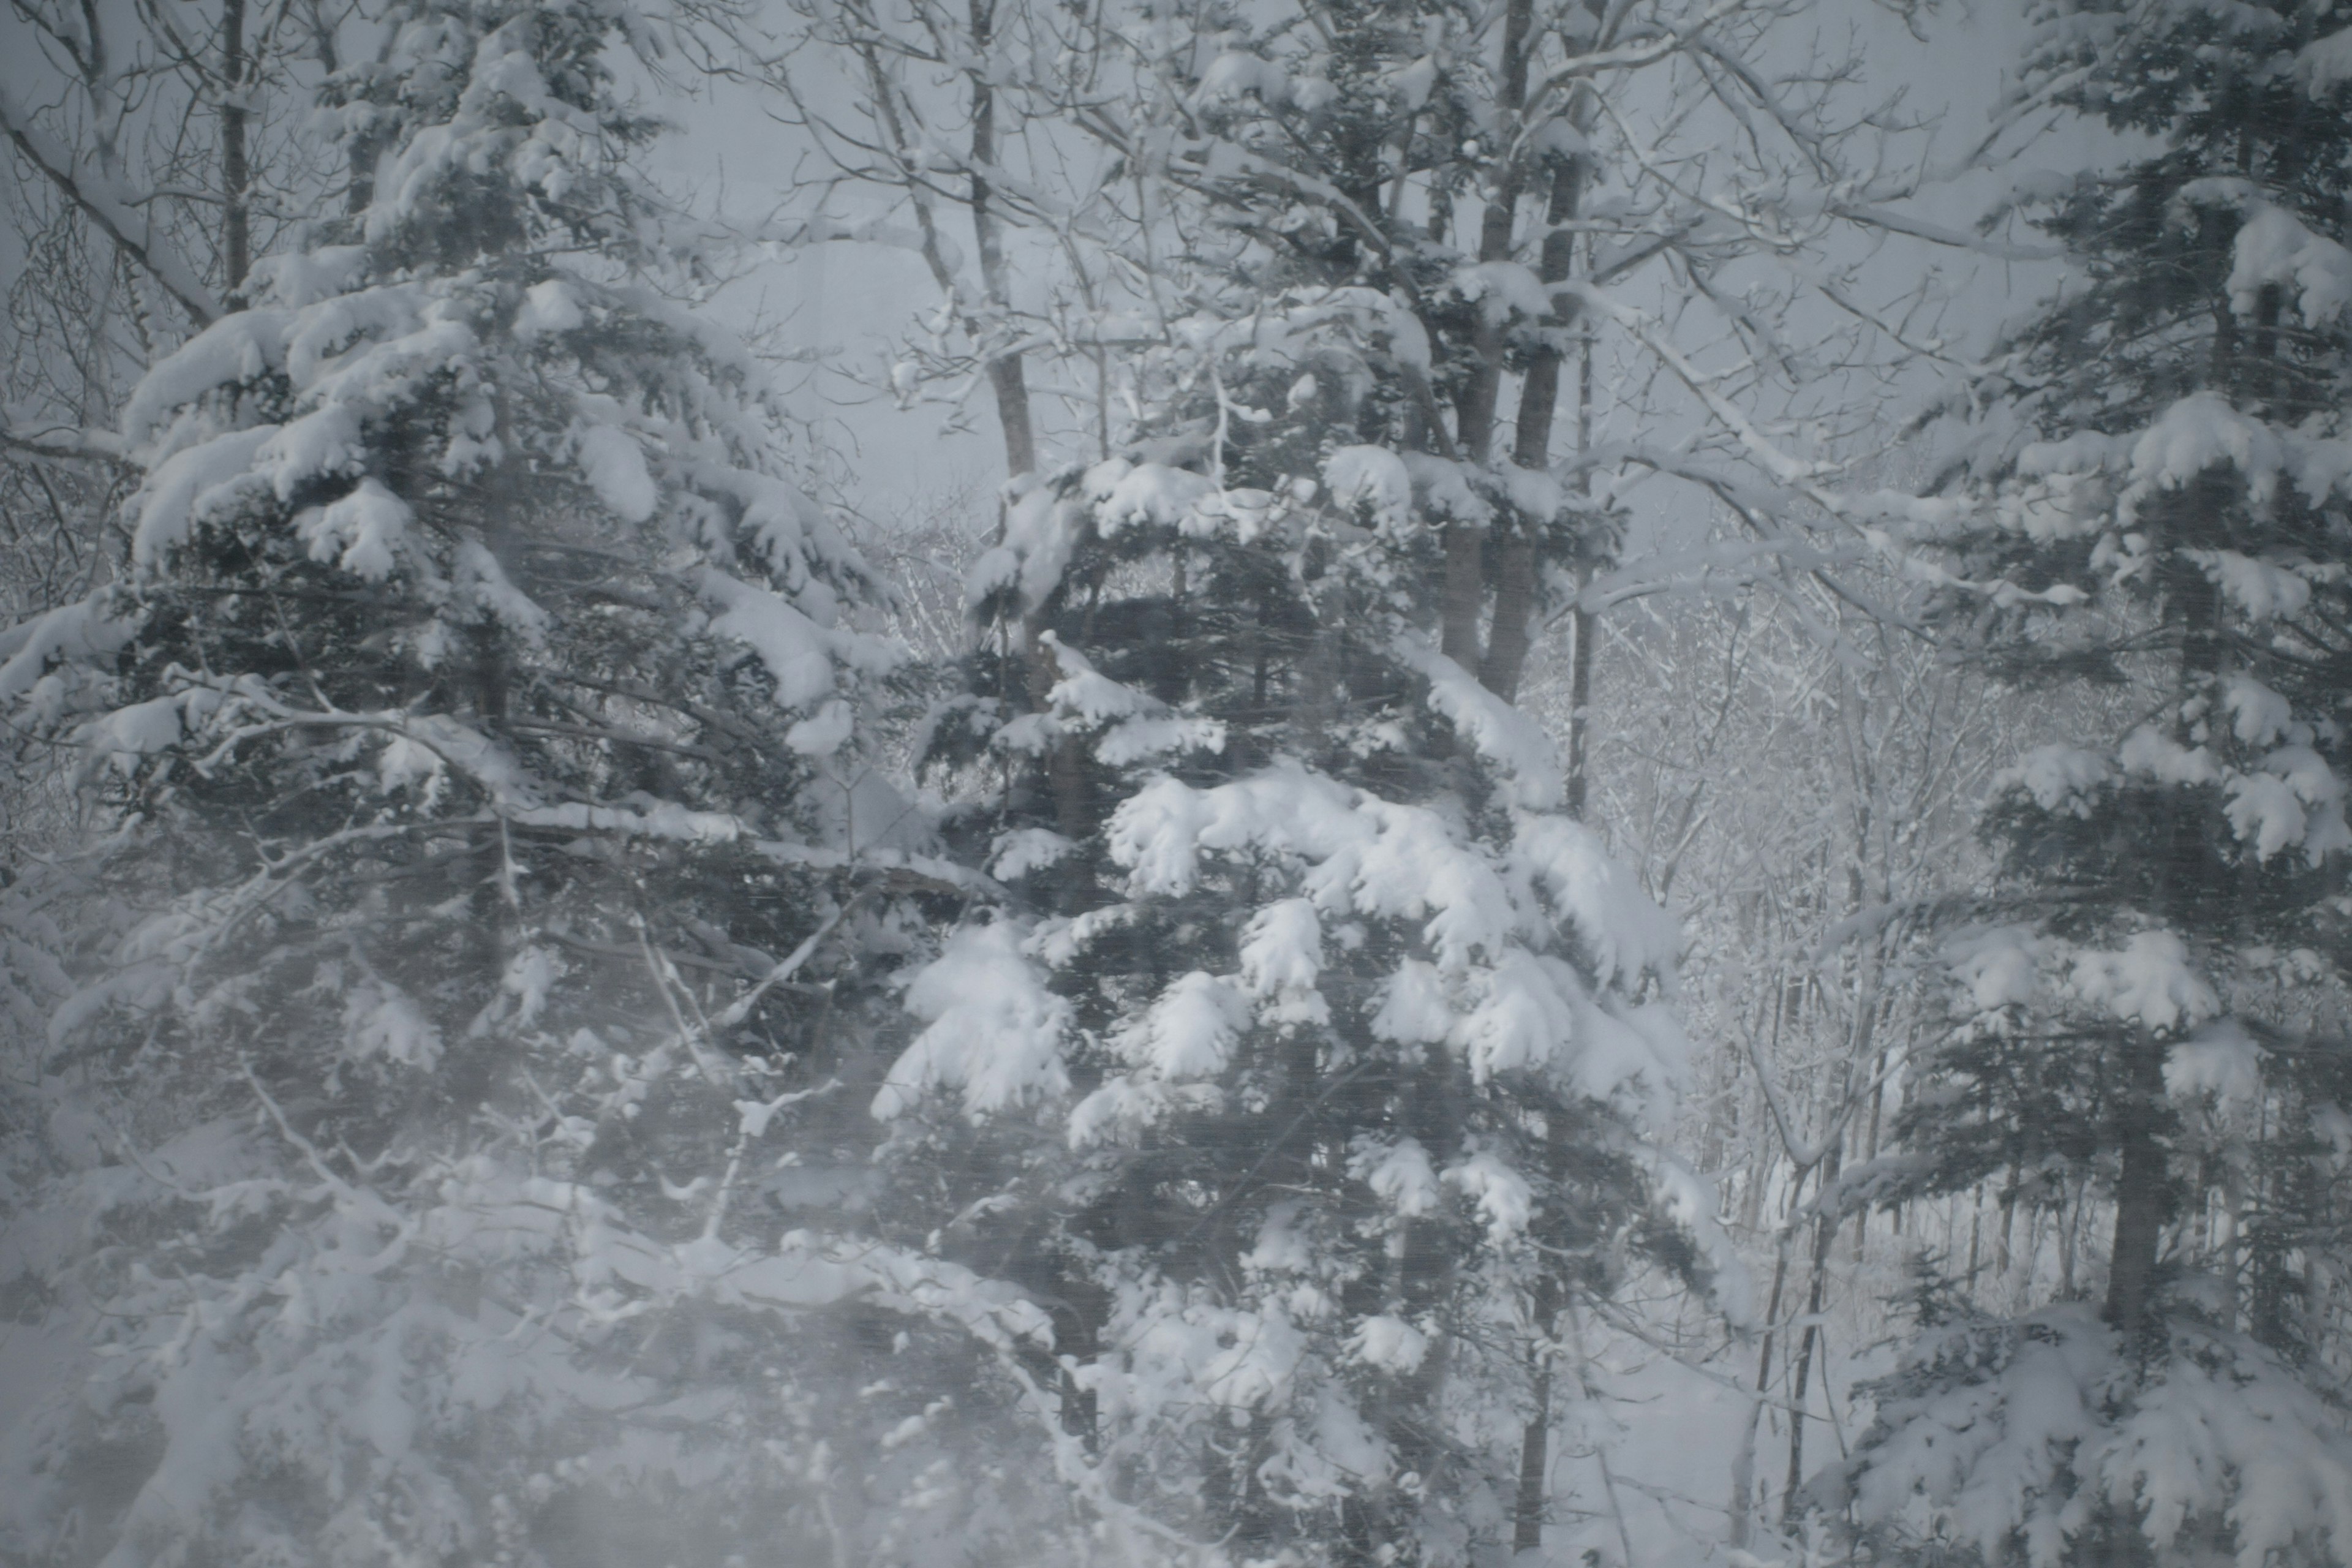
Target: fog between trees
{"type": "Point", "coordinates": [1613, 833]}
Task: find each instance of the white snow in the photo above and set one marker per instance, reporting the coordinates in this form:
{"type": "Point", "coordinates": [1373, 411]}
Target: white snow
{"type": "Point", "coordinates": [2259, 715]}
{"type": "Point", "coordinates": [1502, 732]}
{"type": "Point", "coordinates": [2057, 777]}
{"type": "Point", "coordinates": [2201, 431]}
{"type": "Point", "coordinates": [1416, 1007]}
{"type": "Point", "coordinates": [1041, 529]}
{"type": "Point", "coordinates": [2264, 811]}
{"type": "Point", "coordinates": [547, 307]}
{"type": "Point", "coordinates": [993, 1034]}
{"type": "Point", "coordinates": [231, 351]}
{"type": "Point", "coordinates": [1189, 1032]}
{"type": "Point", "coordinates": [797, 653]}
{"type": "Point", "coordinates": [615, 469]}
{"type": "Point", "coordinates": [1399, 1173]}
{"type": "Point", "coordinates": [1524, 1012]}
{"type": "Point", "coordinates": [2325, 64]}
{"type": "Point", "coordinates": [2264, 591]}
{"type": "Point", "coordinates": [1502, 288]}
{"type": "Point", "coordinates": [1620, 930]}
{"type": "Point", "coordinates": [1388, 1343]}
{"type": "Point", "coordinates": [382, 1020]}
{"type": "Point", "coordinates": [361, 531]}
{"type": "Point", "coordinates": [2149, 982]}
{"type": "Point", "coordinates": [76, 631]}
{"type": "Point", "coordinates": [2148, 753]}
{"type": "Point", "coordinates": [191, 487]}
{"type": "Point", "coordinates": [1233, 74]}
{"type": "Point", "coordinates": [2274, 248]}
{"type": "Point", "coordinates": [2221, 1060]}
{"type": "Point", "coordinates": [1282, 949]}
{"type": "Point", "coordinates": [1149, 494]}
{"type": "Point", "coordinates": [1999, 968]}
{"type": "Point", "coordinates": [1373, 477]}
{"type": "Point", "coordinates": [2026, 1427]}
{"type": "Point", "coordinates": [1502, 1196]}
{"type": "Point", "coordinates": [1026, 849]}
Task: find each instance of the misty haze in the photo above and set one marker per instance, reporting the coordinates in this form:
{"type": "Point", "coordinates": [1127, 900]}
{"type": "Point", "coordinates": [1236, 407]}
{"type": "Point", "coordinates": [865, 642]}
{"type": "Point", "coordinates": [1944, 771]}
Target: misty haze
{"type": "Point", "coordinates": [1176, 783]}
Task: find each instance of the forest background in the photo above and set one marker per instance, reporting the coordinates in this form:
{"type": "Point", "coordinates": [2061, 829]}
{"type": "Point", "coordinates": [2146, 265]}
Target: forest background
{"type": "Point", "coordinates": [1375, 783]}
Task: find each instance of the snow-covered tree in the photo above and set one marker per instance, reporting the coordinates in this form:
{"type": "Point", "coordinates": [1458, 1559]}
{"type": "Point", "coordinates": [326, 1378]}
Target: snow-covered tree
{"type": "Point", "coordinates": [1322, 1097]}
{"type": "Point", "coordinates": [2154, 1005]}
{"type": "Point", "coordinates": [449, 1159]}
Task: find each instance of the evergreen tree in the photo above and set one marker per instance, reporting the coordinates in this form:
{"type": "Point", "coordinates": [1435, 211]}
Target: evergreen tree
{"type": "Point", "coordinates": [502, 900]}
{"type": "Point", "coordinates": [1325, 1047]}
{"type": "Point", "coordinates": [2154, 1009]}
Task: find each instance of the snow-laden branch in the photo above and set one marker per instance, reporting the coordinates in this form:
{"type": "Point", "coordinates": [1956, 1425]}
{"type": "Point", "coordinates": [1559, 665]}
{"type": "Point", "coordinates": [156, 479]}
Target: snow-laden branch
{"type": "Point", "coordinates": [68, 442]}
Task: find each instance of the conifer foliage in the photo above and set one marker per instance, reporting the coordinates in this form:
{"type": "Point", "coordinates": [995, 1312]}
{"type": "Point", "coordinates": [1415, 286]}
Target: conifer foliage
{"type": "Point", "coordinates": [2152, 1012]}
{"type": "Point", "coordinates": [500, 895]}
{"type": "Point", "coordinates": [1324, 1100]}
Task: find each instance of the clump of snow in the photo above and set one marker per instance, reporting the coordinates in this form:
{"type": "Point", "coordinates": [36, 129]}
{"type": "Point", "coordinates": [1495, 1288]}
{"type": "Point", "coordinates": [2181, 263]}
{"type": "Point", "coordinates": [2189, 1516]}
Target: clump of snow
{"type": "Point", "coordinates": [2219, 1059]}
{"type": "Point", "coordinates": [2264, 591]}
{"type": "Point", "coordinates": [2057, 777]}
{"type": "Point", "coordinates": [2148, 753]}
{"type": "Point", "coordinates": [995, 1032]}
{"type": "Point", "coordinates": [2259, 715]}
{"type": "Point", "coordinates": [1149, 494]}
{"type": "Point", "coordinates": [1026, 849]}
{"type": "Point", "coordinates": [1399, 1174]}
{"type": "Point", "coordinates": [1388, 1343]}
{"type": "Point", "coordinates": [191, 487]}
{"type": "Point", "coordinates": [2296, 799]}
{"type": "Point", "coordinates": [1041, 529]}
{"type": "Point", "coordinates": [1502, 1196]}
{"type": "Point", "coordinates": [1502, 288]}
{"type": "Point", "coordinates": [477, 580]}
{"type": "Point", "coordinates": [2199, 433]}
{"type": "Point", "coordinates": [1373, 477]}
{"type": "Point", "coordinates": [1522, 1013]}
{"type": "Point", "coordinates": [798, 654]}
{"type": "Point", "coordinates": [2149, 982]}
{"type": "Point", "coordinates": [2059, 506]}
{"type": "Point", "coordinates": [1622, 930]}
{"type": "Point", "coordinates": [615, 469]}
{"type": "Point", "coordinates": [235, 350]}
{"type": "Point", "coordinates": [1282, 948]}
{"type": "Point", "coordinates": [1190, 1031]}
{"type": "Point", "coordinates": [547, 307]}
{"type": "Point", "coordinates": [2325, 64]}
{"type": "Point", "coordinates": [1998, 968]}
{"type": "Point", "coordinates": [1449, 490]}
{"type": "Point", "coordinates": [2273, 250]}
{"type": "Point", "coordinates": [2263, 811]}
{"type": "Point", "coordinates": [379, 1020]}
{"type": "Point", "coordinates": [1234, 74]}
{"type": "Point", "coordinates": [1415, 1008]}
{"type": "Point", "coordinates": [1362, 855]}
{"type": "Point", "coordinates": [361, 531]}
{"type": "Point", "coordinates": [2002, 1432]}
{"type": "Point", "coordinates": [79, 631]}
{"type": "Point", "coordinates": [1501, 732]}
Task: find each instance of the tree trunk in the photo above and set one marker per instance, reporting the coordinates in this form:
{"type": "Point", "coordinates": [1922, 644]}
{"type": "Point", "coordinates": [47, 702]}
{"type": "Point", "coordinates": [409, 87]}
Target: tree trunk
{"type": "Point", "coordinates": [1515, 569]}
{"type": "Point", "coordinates": [1825, 1230]}
{"type": "Point", "coordinates": [1580, 631]}
{"type": "Point", "coordinates": [2143, 1192]}
{"type": "Point", "coordinates": [236, 173]}
{"type": "Point", "coordinates": [1535, 1442]}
